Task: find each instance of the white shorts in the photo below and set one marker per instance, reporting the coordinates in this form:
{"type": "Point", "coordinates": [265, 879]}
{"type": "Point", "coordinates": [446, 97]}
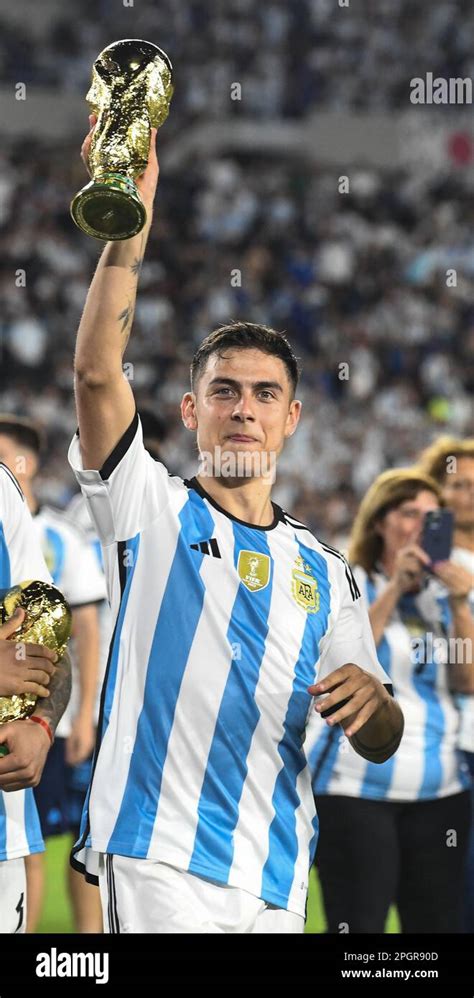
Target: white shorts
{"type": "Point", "coordinates": [12, 895]}
{"type": "Point", "coordinates": [144, 895]}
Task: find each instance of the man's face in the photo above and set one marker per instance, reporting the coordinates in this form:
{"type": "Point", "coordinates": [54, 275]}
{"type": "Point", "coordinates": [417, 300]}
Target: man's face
{"type": "Point", "coordinates": [242, 406]}
{"type": "Point", "coordinates": [458, 492]}
{"type": "Point", "coordinates": [21, 461]}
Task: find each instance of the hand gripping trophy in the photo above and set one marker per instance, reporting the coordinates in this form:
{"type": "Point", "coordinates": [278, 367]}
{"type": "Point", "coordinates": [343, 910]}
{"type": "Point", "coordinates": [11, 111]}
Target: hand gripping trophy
{"type": "Point", "coordinates": [130, 94]}
{"type": "Point", "coordinates": [47, 621]}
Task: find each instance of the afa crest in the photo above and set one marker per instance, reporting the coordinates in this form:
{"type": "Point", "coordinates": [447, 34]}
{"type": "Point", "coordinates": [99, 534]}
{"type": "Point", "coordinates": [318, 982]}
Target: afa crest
{"type": "Point", "coordinates": [254, 569]}
{"type": "Point", "coordinates": [304, 587]}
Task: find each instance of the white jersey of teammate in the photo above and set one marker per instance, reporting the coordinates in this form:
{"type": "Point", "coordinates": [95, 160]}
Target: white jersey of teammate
{"type": "Point", "coordinates": [75, 571]}
{"type": "Point", "coordinates": [20, 559]}
{"type": "Point", "coordinates": [427, 764]}
{"type": "Point", "coordinates": [78, 513]}
{"type": "Point", "coordinates": [219, 628]}
{"type": "Point", "coordinates": [465, 702]}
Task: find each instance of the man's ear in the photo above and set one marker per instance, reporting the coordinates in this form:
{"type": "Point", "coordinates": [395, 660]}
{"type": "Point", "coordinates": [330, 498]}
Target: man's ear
{"type": "Point", "coordinates": [293, 417]}
{"type": "Point", "coordinates": [188, 411]}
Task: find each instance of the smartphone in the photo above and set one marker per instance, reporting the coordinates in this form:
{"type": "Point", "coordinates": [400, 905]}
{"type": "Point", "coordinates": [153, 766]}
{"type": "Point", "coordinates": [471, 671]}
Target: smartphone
{"type": "Point", "coordinates": [437, 536]}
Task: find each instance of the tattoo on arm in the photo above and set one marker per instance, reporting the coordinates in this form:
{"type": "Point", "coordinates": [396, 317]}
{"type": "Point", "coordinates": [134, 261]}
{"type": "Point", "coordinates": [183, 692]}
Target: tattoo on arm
{"type": "Point", "coordinates": [126, 318]}
{"type": "Point", "coordinates": [136, 266]}
{"type": "Point", "coordinates": [137, 263]}
{"type": "Point", "coordinates": [52, 708]}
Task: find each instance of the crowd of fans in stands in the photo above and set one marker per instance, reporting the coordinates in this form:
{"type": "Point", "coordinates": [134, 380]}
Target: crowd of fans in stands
{"type": "Point", "coordinates": [358, 281]}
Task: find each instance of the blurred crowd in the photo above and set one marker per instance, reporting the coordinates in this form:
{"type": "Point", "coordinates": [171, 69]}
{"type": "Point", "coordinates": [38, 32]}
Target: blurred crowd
{"type": "Point", "coordinates": [293, 56]}
{"type": "Point", "coordinates": [359, 281]}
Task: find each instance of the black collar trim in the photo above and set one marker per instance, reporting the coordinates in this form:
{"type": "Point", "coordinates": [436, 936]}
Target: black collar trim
{"type": "Point", "coordinates": [192, 483]}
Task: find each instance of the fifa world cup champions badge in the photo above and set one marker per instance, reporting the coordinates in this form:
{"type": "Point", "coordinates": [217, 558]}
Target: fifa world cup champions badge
{"type": "Point", "coordinates": [130, 93]}
{"type": "Point", "coordinates": [47, 621]}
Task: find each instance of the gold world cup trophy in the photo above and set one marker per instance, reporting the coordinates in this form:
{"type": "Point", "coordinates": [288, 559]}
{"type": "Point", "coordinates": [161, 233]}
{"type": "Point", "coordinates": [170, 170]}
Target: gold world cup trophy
{"type": "Point", "coordinates": [47, 621]}
{"type": "Point", "coordinates": [130, 93]}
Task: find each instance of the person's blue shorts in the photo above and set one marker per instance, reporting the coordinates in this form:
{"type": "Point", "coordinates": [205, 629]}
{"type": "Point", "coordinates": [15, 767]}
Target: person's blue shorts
{"type": "Point", "coordinates": [61, 792]}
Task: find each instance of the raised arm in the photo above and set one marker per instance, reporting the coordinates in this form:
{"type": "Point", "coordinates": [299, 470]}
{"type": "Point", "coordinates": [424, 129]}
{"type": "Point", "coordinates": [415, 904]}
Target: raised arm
{"type": "Point", "coordinates": [104, 398]}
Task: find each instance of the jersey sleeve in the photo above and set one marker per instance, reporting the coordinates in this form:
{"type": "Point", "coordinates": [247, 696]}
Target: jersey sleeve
{"type": "Point", "coordinates": [351, 638]}
{"type": "Point", "coordinates": [128, 492]}
{"type": "Point", "coordinates": [21, 556]}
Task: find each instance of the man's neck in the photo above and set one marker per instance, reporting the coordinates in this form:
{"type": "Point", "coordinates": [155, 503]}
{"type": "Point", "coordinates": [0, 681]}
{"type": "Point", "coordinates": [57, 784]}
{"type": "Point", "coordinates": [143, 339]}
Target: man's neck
{"type": "Point", "coordinates": [30, 497]}
{"type": "Point", "coordinates": [247, 499]}
{"type": "Point", "coordinates": [464, 539]}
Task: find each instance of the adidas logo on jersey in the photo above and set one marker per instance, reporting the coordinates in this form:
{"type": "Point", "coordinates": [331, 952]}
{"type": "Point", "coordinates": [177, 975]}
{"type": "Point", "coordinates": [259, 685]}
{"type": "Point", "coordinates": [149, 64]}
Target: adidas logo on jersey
{"type": "Point", "coordinates": [208, 547]}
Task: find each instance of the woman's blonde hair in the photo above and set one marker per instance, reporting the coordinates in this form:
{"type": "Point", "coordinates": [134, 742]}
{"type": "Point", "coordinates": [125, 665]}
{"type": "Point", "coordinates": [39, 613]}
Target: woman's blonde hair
{"type": "Point", "coordinates": [434, 459]}
{"type": "Point", "coordinates": [389, 490]}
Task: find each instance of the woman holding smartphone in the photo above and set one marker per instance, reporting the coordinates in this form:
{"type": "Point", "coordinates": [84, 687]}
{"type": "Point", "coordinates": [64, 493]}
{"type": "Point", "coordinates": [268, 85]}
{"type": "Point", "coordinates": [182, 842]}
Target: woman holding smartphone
{"type": "Point", "coordinates": [397, 831]}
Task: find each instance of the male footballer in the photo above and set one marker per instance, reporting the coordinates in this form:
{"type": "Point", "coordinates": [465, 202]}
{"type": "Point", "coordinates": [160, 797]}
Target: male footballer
{"type": "Point", "coordinates": [230, 617]}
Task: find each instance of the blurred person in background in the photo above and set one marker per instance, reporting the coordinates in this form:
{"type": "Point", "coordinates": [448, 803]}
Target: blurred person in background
{"type": "Point", "coordinates": [74, 570]}
{"type": "Point", "coordinates": [28, 743]}
{"type": "Point", "coordinates": [451, 462]}
{"type": "Point", "coordinates": [403, 809]}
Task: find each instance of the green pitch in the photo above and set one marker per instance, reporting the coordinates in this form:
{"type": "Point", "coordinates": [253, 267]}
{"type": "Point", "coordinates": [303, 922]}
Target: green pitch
{"type": "Point", "coordinates": [57, 916]}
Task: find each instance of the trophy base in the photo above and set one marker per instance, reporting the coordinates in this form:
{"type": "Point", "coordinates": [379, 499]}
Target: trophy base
{"type": "Point", "coordinates": [109, 208]}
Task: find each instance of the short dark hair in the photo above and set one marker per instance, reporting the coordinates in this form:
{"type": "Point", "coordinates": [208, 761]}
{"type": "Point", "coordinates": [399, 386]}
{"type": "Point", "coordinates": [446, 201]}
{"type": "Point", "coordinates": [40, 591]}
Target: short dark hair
{"type": "Point", "coordinates": [22, 431]}
{"type": "Point", "coordinates": [242, 336]}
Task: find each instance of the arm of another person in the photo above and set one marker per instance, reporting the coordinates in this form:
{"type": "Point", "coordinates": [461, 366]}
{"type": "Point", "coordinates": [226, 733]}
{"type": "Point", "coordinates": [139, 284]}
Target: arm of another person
{"type": "Point", "coordinates": [29, 743]}
{"type": "Point", "coordinates": [406, 576]}
{"type": "Point", "coordinates": [104, 398]}
{"type": "Point", "coordinates": [86, 633]}
{"type": "Point", "coordinates": [459, 583]}
{"type": "Point", "coordinates": [24, 668]}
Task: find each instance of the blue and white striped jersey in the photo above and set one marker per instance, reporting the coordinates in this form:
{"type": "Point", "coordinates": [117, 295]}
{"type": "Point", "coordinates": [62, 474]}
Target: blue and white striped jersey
{"type": "Point", "coordinates": [20, 559]}
{"type": "Point", "coordinates": [465, 701]}
{"type": "Point", "coordinates": [414, 653]}
{"type": "Point", "coordinates": [75, 570]}
{"type": "Point", "coordinates": [220, 626]}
